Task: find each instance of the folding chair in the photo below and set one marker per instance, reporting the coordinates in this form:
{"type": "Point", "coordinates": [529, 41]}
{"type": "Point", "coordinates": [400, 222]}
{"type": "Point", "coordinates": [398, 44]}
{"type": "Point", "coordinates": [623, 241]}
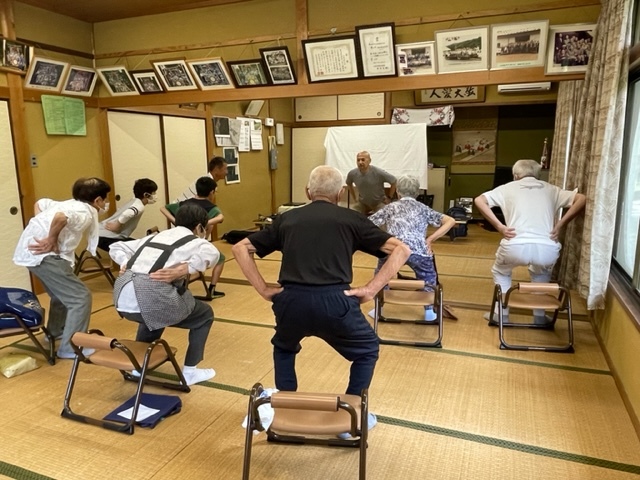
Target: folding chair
{"type": "Point", "coordinates": [409, 293]}
{"type": "Point", "coordinates": [311, 418]}
{"type": "Point", "coordinates": [126, 356]}
{"type": "Point", "coordinates": [21, 314]}
{"type": "Point", "coordinates": [533, 296]}
{"type": "Point", "coordinates": [100, 266]}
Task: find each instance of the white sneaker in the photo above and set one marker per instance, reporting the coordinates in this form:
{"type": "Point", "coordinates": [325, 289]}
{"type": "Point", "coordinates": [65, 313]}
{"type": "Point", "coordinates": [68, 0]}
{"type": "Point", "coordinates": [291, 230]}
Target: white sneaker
{"type": "Point", "coordinates": [197, 375]}
{"type": "Point", "coordinates": [372, 313]}
{"type": "Point", "coordinates": [71, 355]}
{"type": "Point", "coordinates": [487, 317]}
{"type": "Point", "coordinates": [429, 314]}
{"type": "Point", "coordinates": [372, 421]}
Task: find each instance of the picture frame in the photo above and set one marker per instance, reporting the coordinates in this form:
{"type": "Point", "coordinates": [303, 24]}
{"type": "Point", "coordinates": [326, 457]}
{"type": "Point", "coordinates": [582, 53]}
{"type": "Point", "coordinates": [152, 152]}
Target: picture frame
{"type": "Point", "coordinates": [80, 81]}
{"type": "Point", "coordinates": [279, 66]}
{"type": "Point", "coordinates": [376, 45]}
{"type": "Point", "coordinates": [415, 59]}
{"type": "Point", "coordinates": [232, 158]}
{"type": "Point", "coordinates": [248, 73]}
{"type": "Point", "coordinates": [175, 75]}
{"type": "Point", "coordinates": [117, 80]}
{"type": "Point", "coordinates": [210, 74]}
{"type": "Point", "coordinates": [519, 45]}
{"type": "Point", "coordinates": [331, 59]}
{"type": "Point", "coordinates": [147, 81]}
{"type": "Point", "coordinates": [449, 95]}
{"type": "Point", "coordinates": [16, 56]}
{"type": "Point", "coordinates": [462, 49]}
{"type": "Point", "coordinates": [46, 74]}
{"type": "Point", "coordinates": [569, 48]}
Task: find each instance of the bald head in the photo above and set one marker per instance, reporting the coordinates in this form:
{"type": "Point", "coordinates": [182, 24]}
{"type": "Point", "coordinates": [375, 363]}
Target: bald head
{"type": "Point", "coordinates": [325, 181]}
{"type": "Point", "coordinates": [363, 160]}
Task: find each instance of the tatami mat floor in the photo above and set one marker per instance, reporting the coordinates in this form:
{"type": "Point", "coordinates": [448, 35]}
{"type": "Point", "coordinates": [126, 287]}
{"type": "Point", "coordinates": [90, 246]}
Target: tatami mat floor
{"type": "Point", "coordinates": [466, 411]}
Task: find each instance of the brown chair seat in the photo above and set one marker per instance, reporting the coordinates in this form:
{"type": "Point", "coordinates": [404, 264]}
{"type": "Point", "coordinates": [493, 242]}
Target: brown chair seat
{"type": "Point", "coordinates": [303, 420]}
{"type": "Point", "coordinates": [125, 356]}
{"type": "Point", "coordinates": [308, 418]}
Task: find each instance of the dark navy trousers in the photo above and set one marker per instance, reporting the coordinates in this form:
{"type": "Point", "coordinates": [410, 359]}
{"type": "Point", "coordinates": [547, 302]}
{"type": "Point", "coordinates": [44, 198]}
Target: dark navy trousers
{"type": "Point", "coordinates": [327, 313]}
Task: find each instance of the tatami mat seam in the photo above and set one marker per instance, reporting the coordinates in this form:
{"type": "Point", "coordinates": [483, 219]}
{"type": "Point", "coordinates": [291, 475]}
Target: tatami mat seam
{"type": "Point", "coordinates": [19, 473]}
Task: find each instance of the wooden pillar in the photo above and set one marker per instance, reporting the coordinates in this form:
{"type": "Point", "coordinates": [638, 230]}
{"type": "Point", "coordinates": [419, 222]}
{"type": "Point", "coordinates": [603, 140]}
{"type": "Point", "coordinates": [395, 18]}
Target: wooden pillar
{"type": "Point", "coordinates": [302, 33]}
{"type": "Point", "coordinates": [18, 120]}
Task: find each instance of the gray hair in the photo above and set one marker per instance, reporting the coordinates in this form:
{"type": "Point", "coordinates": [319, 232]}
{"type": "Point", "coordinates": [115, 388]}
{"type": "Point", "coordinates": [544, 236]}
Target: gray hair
{"type": "Point", "coordinates": [526, 168]}
{"type": "Point", "coordinates": [408, 186]}
{"type": "Point", "coordinates": [325, 180]}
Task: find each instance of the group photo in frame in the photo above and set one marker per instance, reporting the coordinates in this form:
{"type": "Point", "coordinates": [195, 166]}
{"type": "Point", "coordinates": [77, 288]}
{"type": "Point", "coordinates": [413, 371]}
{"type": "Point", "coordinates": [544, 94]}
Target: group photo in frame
{"type": "Point", "coordinates": [147, 81]}
{"type": "Point", "coordinates": [80, 81]}
{"type": "Point", "coordinates": [46, 74]}
{"type": "Point", "coordinates": [279, 65]}
{"type": "Point", "coordinates": [330, 59]}
{"type": "Point", "coordinates": [416, 58]}
{"type": "Point", "coordinates": [16, 55]}
{"type": "Point", "coordinates": [518, 45]}
{"type": "Point", "coordinates": [210, 74]}
{"type": "Point", "coordinates": [569, 48]}
{"type": "Point", "coordinates": [175, 75]}
{"type": "Point", "coordinates": [248, 73]}
{"type": "Point", "coordinates": [377, 50]}
{"type": "Point", "coordinates": [117, 80]}
{"type": "Point", "coordinates": [463, 49]}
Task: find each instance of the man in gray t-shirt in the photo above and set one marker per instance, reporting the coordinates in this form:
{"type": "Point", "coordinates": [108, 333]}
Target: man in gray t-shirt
{"type": "Point", "coordinates": [370, 181]}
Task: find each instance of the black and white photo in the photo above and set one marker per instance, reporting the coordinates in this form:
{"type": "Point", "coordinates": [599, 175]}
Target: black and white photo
{"type": "Point", "coordinates": [46, 74]}
{"type": "Point", "coordinates": [147, 81]}
{"type": "Point", "coordinates": [518, 45]}
{"type": "Point", "coordinates": [175, 75]}
{"type": "Point", "coordinates": [117, 80]}
{"type": "Point", "coordinates": [279, 65]}
{"type": "Point", "coordinates": [416, 58]}
{"type": "Point", "coordinates": [16, 55]}
{"type": "Point", "coordinates": [569, 48]}
{"type": "Point", "coordinates": [80, 81]}
{"type": "Point", "coordinates": [463, 49]}
{"type": "Point", "coordinates": [210, 74]}
{"type": "Point", "coordinates": [248, 73]}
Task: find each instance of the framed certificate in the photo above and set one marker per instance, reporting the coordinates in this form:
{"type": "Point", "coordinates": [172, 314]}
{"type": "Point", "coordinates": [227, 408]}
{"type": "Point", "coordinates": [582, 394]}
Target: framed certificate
{"type": "Point", "coordinates": [376, 44]}
{"type": "Point", "coordinates": [330, 59]}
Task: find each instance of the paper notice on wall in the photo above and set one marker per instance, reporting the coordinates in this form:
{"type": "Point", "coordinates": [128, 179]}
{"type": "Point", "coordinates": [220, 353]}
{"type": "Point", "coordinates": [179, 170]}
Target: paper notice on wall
{"type": "Point", "coordinates": [244, 139]}
{"type": "Point", "coordinates": [63, 115]}
{"type": "Point", "coordinates": [256, 135]}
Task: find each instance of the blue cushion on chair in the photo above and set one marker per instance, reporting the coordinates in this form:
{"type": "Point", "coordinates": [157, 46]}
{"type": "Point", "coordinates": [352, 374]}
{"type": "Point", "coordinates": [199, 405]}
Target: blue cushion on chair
{"type": "Point", "coordinates": [16, 301]}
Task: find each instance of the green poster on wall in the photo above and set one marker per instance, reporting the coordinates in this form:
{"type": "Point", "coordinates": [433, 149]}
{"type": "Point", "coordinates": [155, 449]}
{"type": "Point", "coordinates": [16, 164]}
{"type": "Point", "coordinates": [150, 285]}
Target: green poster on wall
{"type": "Point", "coordinates": [64, 115]}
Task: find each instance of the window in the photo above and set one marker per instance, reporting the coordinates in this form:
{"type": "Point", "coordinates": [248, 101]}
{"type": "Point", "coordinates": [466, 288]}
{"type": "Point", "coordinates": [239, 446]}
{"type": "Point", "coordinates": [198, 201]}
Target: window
{"type": "Point", "coordinates": [626, 249]}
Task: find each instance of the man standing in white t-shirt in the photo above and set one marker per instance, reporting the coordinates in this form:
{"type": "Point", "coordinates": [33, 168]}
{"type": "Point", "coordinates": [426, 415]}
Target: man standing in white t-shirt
{"type": "Point", "coordinates": [530, 232]}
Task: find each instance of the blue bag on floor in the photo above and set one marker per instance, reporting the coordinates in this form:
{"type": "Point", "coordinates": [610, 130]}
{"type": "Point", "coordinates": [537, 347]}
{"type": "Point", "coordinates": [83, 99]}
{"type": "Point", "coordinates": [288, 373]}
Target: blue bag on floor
{"type": "Point", "coordinates": [166, 404]}
{"type": "Point", "coordinates": [23, 303]}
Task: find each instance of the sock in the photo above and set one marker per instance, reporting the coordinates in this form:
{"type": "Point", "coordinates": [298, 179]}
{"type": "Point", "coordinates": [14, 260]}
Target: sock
{"type": "Point", "coordinates": [429, 314]}
{"type": "Point", "coordinates": [196, 375]}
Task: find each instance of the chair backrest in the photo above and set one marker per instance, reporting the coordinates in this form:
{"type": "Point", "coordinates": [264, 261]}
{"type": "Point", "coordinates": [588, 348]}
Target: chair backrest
{"type": "Point", "coordinates": [16, 301]}
{"type": "Point", "coordinates": [397, 284]}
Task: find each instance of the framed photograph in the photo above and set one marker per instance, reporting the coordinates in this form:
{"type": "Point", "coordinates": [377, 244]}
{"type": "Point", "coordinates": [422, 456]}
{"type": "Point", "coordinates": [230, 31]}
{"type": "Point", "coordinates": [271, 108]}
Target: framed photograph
{"type": "Point", "coordinates": [230, 155]}
{"type": "Point", "coordinates": [45, 74]}
{"type": "Point", "coordinates": [330, 59]}
{"type": "Point", "coordinates": [117, 80]}
{"type": "Point", "coordinates": [80, 81]}
{"type": "Point", "coordinates": [474, 147]}
{"type": "Point", "coordinates": [449, 95]}
{"type": "Point", "coordinates": [147, 81]}
{"type": "Point", "coordinates": [463, 49]}
{"type": "Point", "coordinates": [517, 45]}
{"type": "Point", "coordinates": [416, 58]}
{"type": "Point", "coordinates": [248, 73]}
{"type": "Point", "coordinates": [279, 65]}
{"type": "Point", "coordinates": [175, 75]}
{"type": "Point", "coordinates": [569, 48]}
{"type": "Point", "coordinates": [210, 74]}
{"type": "Point", "coordinates": [376, 44]}
{"type": "Point", "coordinates": [16, 55]}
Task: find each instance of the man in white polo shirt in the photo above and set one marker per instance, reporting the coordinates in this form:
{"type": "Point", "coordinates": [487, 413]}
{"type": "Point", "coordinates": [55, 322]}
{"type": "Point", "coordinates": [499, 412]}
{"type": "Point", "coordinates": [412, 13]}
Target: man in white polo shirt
{"type": "Point", "coordinates": [530, 207]}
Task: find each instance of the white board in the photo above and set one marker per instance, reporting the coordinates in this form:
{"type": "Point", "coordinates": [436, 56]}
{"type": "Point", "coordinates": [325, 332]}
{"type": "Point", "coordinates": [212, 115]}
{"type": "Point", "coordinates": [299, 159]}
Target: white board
{"type": "Point", "coordinates": [398, 149]}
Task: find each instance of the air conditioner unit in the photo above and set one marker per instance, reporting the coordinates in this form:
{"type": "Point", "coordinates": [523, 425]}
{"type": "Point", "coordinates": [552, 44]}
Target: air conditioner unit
{"type": "Point", "coordinates": [524, 87]}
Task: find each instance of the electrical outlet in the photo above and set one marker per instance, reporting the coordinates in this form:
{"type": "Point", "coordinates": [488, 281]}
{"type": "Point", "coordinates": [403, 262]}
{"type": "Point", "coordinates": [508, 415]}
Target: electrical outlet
{"type": "Point", "coordinates": [34, 161]}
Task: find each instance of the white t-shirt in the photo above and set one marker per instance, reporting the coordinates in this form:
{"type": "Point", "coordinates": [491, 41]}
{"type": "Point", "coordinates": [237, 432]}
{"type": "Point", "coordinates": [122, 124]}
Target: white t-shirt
{"type": "Point", "coordinates": [81, 217]}
{"type": "Point", "coordinates": [530, 207]}
{"type": "Point", "coordinates": [191, 191]}
{"type": "Point", "coordinates": [128, 216]}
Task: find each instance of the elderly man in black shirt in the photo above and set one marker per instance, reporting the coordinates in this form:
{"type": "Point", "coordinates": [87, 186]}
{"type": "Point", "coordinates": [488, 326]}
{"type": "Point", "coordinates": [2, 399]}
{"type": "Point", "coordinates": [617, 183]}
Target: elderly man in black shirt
{"type": "Point", "coordinates": [317, 243]}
